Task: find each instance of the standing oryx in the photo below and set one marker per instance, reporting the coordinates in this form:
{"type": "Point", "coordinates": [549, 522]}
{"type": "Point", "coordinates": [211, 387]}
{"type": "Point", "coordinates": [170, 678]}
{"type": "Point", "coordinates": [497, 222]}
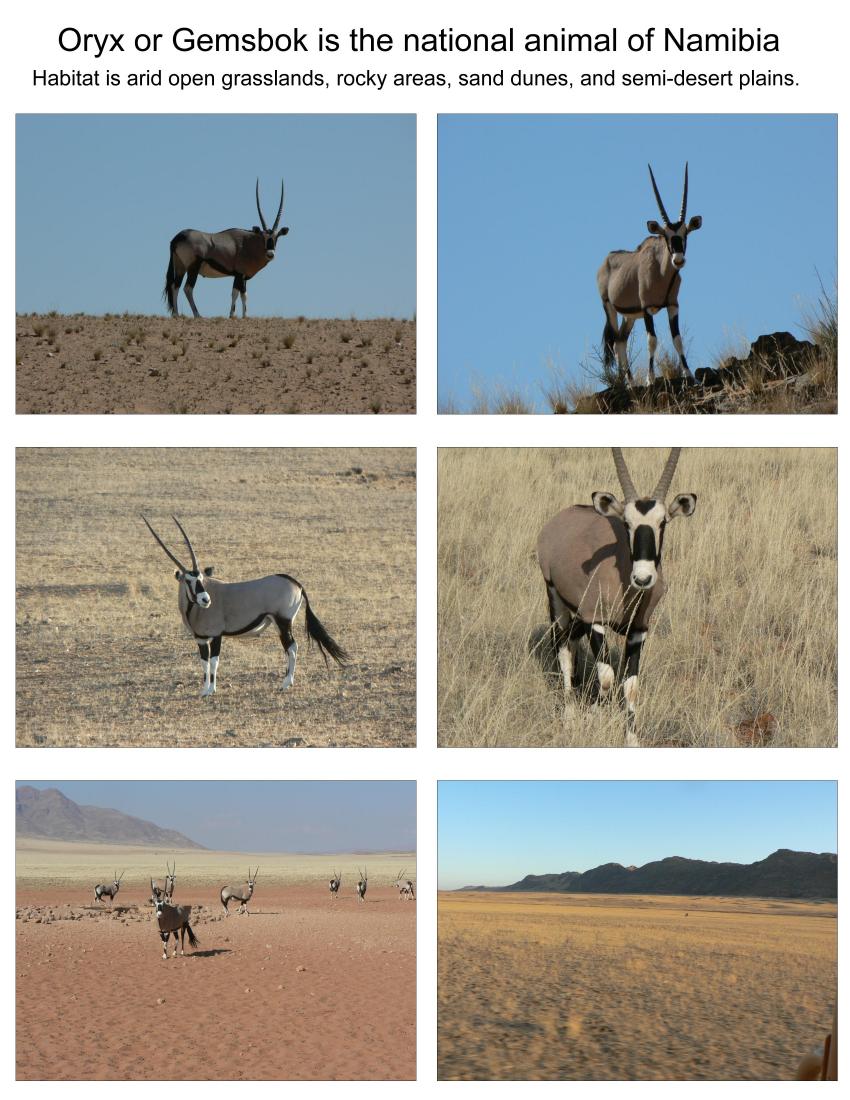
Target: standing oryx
{"type": "Point", "coordinates": [404, 887]}
{"type": "Point", "coordinates": [602, 567]}
{"type": "Point", "coordinates": [164, 888]}
{"type": "Point", "coordinates": [213, 609]}
{"type": "Point", "coordinates": [643, 282]}
{"type": "Point", "coordinates": [237, 252]}
{"type": "Point", "coordinates": [174, 919]}
{"type": "Point", "coordinates": [362, 884]}
{"type": "Point", "coordinates": [242, 893]}
{"type": "Point", "coordinates": [334, 884]}
{"type": "Point", "coordinates": [101, 891]}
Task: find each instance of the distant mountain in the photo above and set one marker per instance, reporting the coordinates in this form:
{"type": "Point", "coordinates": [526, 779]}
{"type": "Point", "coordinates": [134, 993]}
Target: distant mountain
{"type": "Point", "coordinates": [50, 815]}
{"type": "Point", "coordinates": [785, 874]}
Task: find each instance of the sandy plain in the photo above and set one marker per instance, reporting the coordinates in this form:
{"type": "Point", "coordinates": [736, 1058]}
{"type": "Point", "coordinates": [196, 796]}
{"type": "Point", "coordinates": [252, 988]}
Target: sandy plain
{"type": "Point", "coordinates": [303, 988]}
{"type": "Point", "coordinates": [102, 657]}
{"type": "Point", "coordinates": [615, 987]}
{"type": "Point", "coordinates": [77, 363]}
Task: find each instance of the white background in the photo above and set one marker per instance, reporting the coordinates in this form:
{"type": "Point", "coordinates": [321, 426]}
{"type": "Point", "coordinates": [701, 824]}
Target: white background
{"type": "Point", "coordinates": [813, 46]}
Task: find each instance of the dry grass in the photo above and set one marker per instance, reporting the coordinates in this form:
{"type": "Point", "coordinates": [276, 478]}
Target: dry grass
{"type": "Point", "coordinates": [145, 364]}
{"type": "Point", "coordinates": [561, 987]}
{"type": "Point", "coordinates": [102, 657]}
{"type": "Point", "coordinates": [747, 626]}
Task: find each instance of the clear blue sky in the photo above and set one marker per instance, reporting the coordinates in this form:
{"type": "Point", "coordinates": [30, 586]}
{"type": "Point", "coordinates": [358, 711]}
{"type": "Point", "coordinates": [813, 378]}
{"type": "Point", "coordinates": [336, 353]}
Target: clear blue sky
{"type": "Point", "coordinates": [99, 197]}
{"type": "Point", "coordinates": [265, 816]}
{"type": "Point", "coordinates": [494, 833]}
{"type": "Point", "coordinates": [529, 206]}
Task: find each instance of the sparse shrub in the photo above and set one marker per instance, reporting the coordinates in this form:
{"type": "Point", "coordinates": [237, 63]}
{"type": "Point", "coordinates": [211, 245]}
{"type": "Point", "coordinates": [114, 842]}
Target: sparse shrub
{"type": "Point", "coordinates": [344, 336]}
{"type": "Point", "coordinates": [288, 341]}
{"type": "Point", "coordinates": [375, 404]}
{"type": "Point", "coordinates": [97, 354]}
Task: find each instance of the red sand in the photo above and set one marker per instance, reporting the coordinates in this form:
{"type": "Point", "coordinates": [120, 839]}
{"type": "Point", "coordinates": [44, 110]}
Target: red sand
{"type": "Point", "coordinates": [95, 1000]}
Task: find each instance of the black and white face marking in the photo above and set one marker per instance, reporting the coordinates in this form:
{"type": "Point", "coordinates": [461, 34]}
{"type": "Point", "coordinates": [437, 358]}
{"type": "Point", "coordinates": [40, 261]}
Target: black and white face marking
{"type": "Point", "coordinates": [675, 237]}
{"type": "Point", "coordinates": [271, 239]}
{"type": "Point", "coordinates": [195, 588]}
{"type": "Point", "coordinates": [645, 521]}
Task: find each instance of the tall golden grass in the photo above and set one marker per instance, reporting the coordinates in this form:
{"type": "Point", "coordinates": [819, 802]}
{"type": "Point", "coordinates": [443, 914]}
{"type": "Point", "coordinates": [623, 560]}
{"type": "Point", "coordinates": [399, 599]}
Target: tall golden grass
{"type": "Point", "coordinates": [747, 628]}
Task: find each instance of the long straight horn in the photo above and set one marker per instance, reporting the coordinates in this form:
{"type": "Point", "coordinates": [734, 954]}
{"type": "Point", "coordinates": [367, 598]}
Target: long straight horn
{"type": "Point", "coordinates": [663, 486]}
{"type": "Point", "coordinates": [279, 210]}
{"type": "Point", "coordinates": [176, 561]}
{"type": "Point", "coordinates": [259, 211]}
{"type": "Point", "coordinates": [684, 196]}
{"type": "Point", "coordinates": [661, 209]}
{"type": "Point", "coordinates": [626, 483]}
{"type": "Point", "coordinates": [195, 565]}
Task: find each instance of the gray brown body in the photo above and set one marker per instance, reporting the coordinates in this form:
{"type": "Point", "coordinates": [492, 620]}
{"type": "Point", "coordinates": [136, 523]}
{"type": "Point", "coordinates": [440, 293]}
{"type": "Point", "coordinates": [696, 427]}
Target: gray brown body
{"type": "Point", "coordinates": [640, 281]}
{"type": "Point", "coordinates": [586, 559]}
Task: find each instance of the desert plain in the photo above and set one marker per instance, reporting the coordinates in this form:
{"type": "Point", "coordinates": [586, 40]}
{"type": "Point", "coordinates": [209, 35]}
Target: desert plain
{"type": "Point", "coordinates": [627, 987]}
{"type": "Point", "coordinates": [102, 655]}
{"type": "Point", "coordinates": [136, 363]}
{"type": "Point", "coordinates": [304, 987]}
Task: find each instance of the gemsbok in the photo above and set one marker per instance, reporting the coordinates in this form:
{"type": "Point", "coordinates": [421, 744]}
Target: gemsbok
{"type": "Point", "coordinates": [404, 887]}
{"type": "Point", "coordinates": [164, 888]}
{"type": "Point", "coordinates": [362, 884]}
{"type": "Point", "coordinates": [642, 283]}
{"type": "Point", "coordinates": [212, 610]}
{"type": "Point", "coordinates": [239, 253]}
{"type": "Point", "coordinates": [334, 884]}
{"type": "Point", "coordinates": [242, 893]}
{"type": "Point", "coordinates": [171, 920]}
{"type": "Point", "coordinates": [602, 567]}
{"type": "Point", "coordinates": [101, 891]}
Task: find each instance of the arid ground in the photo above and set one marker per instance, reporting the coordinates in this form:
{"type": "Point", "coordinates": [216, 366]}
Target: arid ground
{"type": "Point", "coordinates": [592, 987]}
{"type": "Point", "coordinates": [742, 650]}
{"type": "Point", "coordinates": [303, 988]}
{"type": "Point", "coordinates": [77, 363]}
{"type": "Point", "coordinates": [102, 655]}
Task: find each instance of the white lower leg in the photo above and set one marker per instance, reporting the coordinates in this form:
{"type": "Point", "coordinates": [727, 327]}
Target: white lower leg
{"type": "Point", "coordinates": [606, 677]}
{"type": "Point", "coordinates": [244, 304]}
{"type": "Point", "coordinates": [233, 297]}
{"type": "Point", "coordinates": [565, 660]}
{"type": "Point", "coordinates": [205, 690]}
{"type": "Point", "coordinates": [291, 656]}
{"type": "Point", "coordinates": [630, 694]}
{"type": "Point", "coordinates": [213, 673]}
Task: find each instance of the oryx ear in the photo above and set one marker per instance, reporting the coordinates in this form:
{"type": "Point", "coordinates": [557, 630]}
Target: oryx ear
{"type": "Point", "coordinates": [607, 505]}
{"type": "Point", "coordinates": [283, 232]}
{"type": "Point", "coordinates": [685, 504]}
{"type": "Point", "coordinates": [654, 227]}
{"type": "Point", "coordinates": [208, 572]}
{"type": "Point", "coordinates": [256, 229]}
{"type": "Point", "coordinates": [178, 574]}
{"type": "Point", "coordinates": [695, 223]}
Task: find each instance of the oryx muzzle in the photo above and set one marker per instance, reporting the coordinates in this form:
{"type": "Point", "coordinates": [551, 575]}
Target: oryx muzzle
{"type": "Point", "coordinates": [239, 253]}
{"type": "Point", "coordinates": [602, 568]}
{"type": "Point", "coordinates": [642, 283]}
{"type": "Point", "coordinates": [213, 609]}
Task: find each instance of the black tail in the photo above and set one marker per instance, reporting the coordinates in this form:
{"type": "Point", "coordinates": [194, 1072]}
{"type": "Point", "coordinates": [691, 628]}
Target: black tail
{"type": "Point", "coordinates": [609, 336]}
{"type": "Point", "coordinates": [317, 633]}
{"type": "Point", "coordinates": [193, 939]}
{"type": "Point", "coordinates": [169, 280]}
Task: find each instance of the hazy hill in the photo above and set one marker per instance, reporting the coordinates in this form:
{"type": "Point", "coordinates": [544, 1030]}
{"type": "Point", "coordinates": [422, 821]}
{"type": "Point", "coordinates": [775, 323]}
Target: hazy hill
{"type": "Point", "coordinates": [784, 874]}
{"type": "Point", "coordinates": [50, 814]}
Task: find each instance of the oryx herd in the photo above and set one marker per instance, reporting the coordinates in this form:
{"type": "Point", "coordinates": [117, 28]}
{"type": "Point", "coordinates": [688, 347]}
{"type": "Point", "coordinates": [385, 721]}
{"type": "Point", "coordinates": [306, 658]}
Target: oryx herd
{"type": "Point", "coordinates": [213, 609]}
{"type": "Point", "coordinates": [173, 920]}
{"type": "Point", "coordinates": [643, 282]}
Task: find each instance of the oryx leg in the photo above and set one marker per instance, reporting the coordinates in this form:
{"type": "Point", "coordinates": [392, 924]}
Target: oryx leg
{"type": "Point", "coordinates": [164, 937]}
{"type": "Point", "coordinates": [240, 289]}
{"type": "Point", "coordinates": [191, 279]}
{"type": "Point", "coordinates": [673, 315]}
{"type": "Point", "coordinates": [601, 655]}
{"type": "Point", "coordinates": [173, 289]}
{"type": "Point", "coordinates": [209, 651]}
{"type": "Point", "coordinates": [621, 340]}
{"type": "Point", "coordinates": [287, 640]}
{"type": "Point", "coordinates": [634, 645]}
{"type": "Point", "coordinates": [567, 632]}
{"type": "Point", "coordinates": [651, 342]}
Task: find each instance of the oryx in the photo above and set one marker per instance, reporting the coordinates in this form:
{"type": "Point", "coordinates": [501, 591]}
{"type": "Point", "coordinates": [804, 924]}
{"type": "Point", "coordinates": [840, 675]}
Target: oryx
{"type": "Point", "coordinates": [174, 919]}
{"type": "Point", "coordinates": [602, 567]}
{"type": "Point", "coordinates": [404, 886]}
{"type": "Point", "coordinates": [362, 883]}
{"type": "Point", "coordinates": [334, 883]}
{"type": "Point", "coordinates": [242, 893]}
{"type": "Point", "coordinates": [213, 609]}
{"type": "Point", "coordinates": [237, 252]}
{"type": "Point", "coordinates": [164, 888]}
{"type": "Point", "coordinates": [643, 282]}
{"type": "Point", "coordinates": [101, 891]}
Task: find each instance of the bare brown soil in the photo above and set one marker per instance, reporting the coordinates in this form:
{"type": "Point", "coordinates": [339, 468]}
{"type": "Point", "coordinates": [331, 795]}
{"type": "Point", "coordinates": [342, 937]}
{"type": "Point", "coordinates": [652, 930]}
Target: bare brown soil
{"type": "Point", "coordinates": [590, 987]}
{"type": "Point", "coordinates": [302, 988]}
{"type": "Point", "coordinates": [102, 655]}
{"type": "Point", "coordinates": [142, 364]}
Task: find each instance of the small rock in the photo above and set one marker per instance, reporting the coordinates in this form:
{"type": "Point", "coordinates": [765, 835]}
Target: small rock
{"type": "Point", "coordinates": [160, 1000]}
{"type": "Point", "coordinates": [300, 969]}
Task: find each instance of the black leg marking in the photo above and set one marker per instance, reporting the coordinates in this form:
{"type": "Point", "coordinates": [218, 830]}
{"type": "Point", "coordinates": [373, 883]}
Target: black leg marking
{"type": "Point", "coordinates": [204, 650]}
{"type": "Point", "coordinates": [651, 341]}
{"type": "Point", "coordinates": [634, 645]}
{"type": "Point", "coordinates": [215, 647]}
{"type": "Point", "coordinates": [285, 628]}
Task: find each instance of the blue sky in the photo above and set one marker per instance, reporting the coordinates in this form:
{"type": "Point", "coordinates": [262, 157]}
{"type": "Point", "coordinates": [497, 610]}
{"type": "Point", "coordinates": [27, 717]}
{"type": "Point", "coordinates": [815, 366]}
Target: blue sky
{"type": "Point", "coordinates": [494, 833]}
{"type": "Point", "coordinates": [99, 197]}
{"type": "Point", "coordinates": [529, 206]}
{"type": "Point", "coordinates": [265, 816]}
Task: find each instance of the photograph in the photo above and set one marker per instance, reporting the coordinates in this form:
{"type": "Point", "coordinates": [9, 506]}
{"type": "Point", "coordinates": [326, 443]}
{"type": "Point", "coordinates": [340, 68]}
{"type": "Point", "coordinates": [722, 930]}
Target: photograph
{"type": "Point", "coordinates": [216, 931]}
{"type": "Point", "coordinates": [201, 597]}
{"type": "Point", "coordinates": [560, 625]}
{"type": "Point", "coordinates": [194, 307]}
{"type": "Point", "coordinates": [553, 299]}
{"type": "Point", "coordinates": [637, 931]}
